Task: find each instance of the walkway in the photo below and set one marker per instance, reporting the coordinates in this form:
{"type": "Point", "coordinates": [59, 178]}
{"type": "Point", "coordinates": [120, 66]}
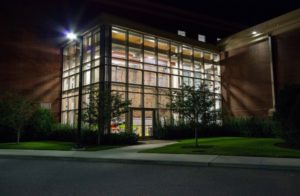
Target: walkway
{"type": "Point", "coordinates": [130, 154]}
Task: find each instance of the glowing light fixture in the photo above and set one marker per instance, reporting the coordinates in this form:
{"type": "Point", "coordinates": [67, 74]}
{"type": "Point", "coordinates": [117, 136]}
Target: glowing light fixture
{"type": "Point", "coordinates": [254, 32]}
{"type": "Point", "coordinates": [71, 36]}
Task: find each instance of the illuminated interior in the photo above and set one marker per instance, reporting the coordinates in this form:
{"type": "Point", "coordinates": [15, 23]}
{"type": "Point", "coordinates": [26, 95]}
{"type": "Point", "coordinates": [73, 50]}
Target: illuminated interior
{"type": "Point", "coordinates": [144, 69]}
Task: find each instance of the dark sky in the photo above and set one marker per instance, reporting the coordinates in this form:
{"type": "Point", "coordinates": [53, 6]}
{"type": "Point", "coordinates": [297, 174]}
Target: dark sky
{"type": "Point", "coordinates": [212, 18]}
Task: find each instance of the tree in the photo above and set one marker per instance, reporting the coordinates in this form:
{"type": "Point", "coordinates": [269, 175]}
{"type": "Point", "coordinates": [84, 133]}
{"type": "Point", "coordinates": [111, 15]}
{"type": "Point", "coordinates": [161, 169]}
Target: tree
{"type": "Point", "coordinates": [15, 112]}
{"type": "Point", "coordinates": [107, 105]}
{"type": "Point", "coordinates": [193, 105]}
{"type": "Point", "coordinates": [288, 114]}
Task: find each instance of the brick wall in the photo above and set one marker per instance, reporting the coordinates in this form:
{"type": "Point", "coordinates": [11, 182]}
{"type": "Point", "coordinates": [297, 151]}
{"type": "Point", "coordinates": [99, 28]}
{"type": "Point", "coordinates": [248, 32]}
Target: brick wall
{"type": "Point", "coordinates": [31, 67]}
{"type": "Point", "coordinates": [246, 80]}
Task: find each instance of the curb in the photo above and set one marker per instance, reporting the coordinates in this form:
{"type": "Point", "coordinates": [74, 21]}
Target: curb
{"type": "Point", "coordinates": [160, 162]}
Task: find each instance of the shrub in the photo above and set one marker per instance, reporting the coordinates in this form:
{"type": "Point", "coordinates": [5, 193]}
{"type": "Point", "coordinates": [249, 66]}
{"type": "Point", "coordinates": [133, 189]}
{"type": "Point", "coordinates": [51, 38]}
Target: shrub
{"type": "Point", "coordinates": [62, 132]}
{"type": "Point", "coordinates": [246, 127]}
{"type": "Point", "coordinates": [252, 127]}
{"type": "Point", "coordinates": [40, 125]}
{"type": "Point", "coordinates": [288, 113]}
{"type": "Point", "coordinates": [90, 137]}
{"type": "Point", "coordinates": [123, 138]}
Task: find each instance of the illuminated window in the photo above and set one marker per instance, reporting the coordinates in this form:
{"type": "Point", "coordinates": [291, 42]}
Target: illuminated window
{"type": "Point", "coordinates": [118, 74]}
{"type": "Point", "coordinates": [207, 56]}
{"type": "Point", "coordinates": [118, 62]}
{"type": "Point", "coordinates": [198, 53]}
{"type": "Point", "coordinates": [135, 65]}
{"type": "Point", "coordinates": [135, 99]}
{"type": "Point", "coordinates": [118, 51]}
{"type": "Point", "coordinates": [175, 48]}
{"type": "Point", "coordinates": [187, 51]}
{"type": "Point", "coordinates": [163, 45]}
{"type": "Point", "coordinates": [149, 101]}
{"type": "Point", "coordinates": [149, 57]}
{"type": "Point", "coordinates": [135, 76]}
{"type": "Point", "coordinates": [135, 54]}
{"type": "Point", "coordinates": [163, 59]}
{"type": "Point", "coordinates": [149, 42]}
{"type": "Point", "coordinates": [86, 77]}
{"type": "Point", "coordinates": [150, 78]}
{"type": "Point", "coordinates": [163, 80]}
{"type": "Point", "coordinates": [135, 38]}
{"type": "Point", "coordinates": [118, 34]}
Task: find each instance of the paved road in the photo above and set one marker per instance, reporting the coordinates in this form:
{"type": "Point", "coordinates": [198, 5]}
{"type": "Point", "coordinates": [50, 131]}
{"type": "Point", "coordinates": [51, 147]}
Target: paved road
{"type": "Point", "coordinates": [57, 177]}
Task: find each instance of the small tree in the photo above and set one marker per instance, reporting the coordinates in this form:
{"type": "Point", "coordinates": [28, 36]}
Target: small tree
{"type": "Point", "coordinates": [15, 112]}
{"type": "Point", "coordinates": [193, 105]}
{"type": "Point", "coordinates": [113, 106]}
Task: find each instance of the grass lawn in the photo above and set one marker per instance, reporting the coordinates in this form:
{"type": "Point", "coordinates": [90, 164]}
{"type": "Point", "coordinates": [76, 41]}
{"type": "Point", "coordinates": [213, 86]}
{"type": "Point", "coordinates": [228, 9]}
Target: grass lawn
{"type": "Point", "coordinates": [235, 146]}
{"type": "Point", "coordinates": [50, 145]}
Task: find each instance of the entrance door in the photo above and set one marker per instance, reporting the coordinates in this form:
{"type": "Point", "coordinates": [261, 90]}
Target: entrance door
{"type": "Point", "coordinates": [149, 119]}
{"type": "Point", "coordinates": [142, 122]}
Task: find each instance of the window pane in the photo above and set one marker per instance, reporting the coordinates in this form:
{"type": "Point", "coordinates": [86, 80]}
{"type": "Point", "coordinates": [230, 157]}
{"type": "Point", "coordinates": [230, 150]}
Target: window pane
{"type": "Point", "coordinates": [150, 67]}
{"type": "Point", "coordinates": [163, 45]}
{"type": "Point", "coordinates": [149, 42]}
{"type": "Point", "coordinates": [149, 57]}
{"type": "Point", "coordinates": [95, 74]}
{"type": "Point", "coordinates": [163, 101]}
{"type": "Point", "coordinates": [118, 62]}
{"type": "Point", "coordinates": [163, 80]}
{"type": "Point", "coordinates": [135, 76]}
{"type": "Point", "coordinates": [174, 48]}
{"type": "Point", "coordinates": [175, 82]}
{"type": "Point", "coordinates": [118, 51]}
{"type": "Point", "coordinates": [218, 87]}
{"type": "Point", "coordinates": [135, 99]}
{"type": "Point", "coordinates": [86, 77]}
{"type": "Point", "coordinates": [216, 58]}
{"type": "Point", "coordinates": [207, 56]}
{"type": "Point", "coordinates": [198, 53]}
{"type": "Point", "coordinates": [174, 62]}
{"type": "Point", "coordinates": [187, 65]}
{"type": "Point", "coordinates": [66, 84]}
{"type": "Point", "coordinates": [118, 34]}
{"type": "Point", "coordinates": [135, 65]}
{"type": "Point", "coordinates": [150, 78]}
{"type": "Point", "coordinates": [163, 60]}
{"type": "Point", "coordinates": [187, 51]}
{"type": "Point", "coordinates": [135, 38]}
{"type": "Point", "coordinates": [135, 54]}
{"type": "Point", "coordinates": [149, 101]}
{"type": "Point", "coordinates": [118, 74]}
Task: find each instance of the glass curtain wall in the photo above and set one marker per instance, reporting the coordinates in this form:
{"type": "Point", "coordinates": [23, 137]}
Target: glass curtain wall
{"type": "Point", "coordinates": [146, 68]}
{"type": "Point", "coordinates": [70, 77]}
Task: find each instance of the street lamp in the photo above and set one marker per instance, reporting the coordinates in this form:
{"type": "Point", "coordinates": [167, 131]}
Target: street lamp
{"type": "Point", "coordinates": [73, 37]}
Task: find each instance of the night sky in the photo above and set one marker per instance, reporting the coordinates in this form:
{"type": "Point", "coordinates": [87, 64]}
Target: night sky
{"type": "Point", "coordinates": [48, 18]}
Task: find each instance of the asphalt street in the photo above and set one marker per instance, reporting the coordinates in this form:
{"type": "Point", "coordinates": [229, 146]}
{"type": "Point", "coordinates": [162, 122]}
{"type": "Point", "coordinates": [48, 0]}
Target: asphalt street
{"type": "Point", "coordinates": [58, 177]}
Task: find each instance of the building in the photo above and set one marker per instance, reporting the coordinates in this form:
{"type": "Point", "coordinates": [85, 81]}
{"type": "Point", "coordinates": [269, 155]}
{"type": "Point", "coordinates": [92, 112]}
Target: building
{"type": "Point", "coordinates": [258, 62]}
{"type": "Point", "coordinates": [142, 64]}
{"type": "Point", "coordinates": [245, 70]}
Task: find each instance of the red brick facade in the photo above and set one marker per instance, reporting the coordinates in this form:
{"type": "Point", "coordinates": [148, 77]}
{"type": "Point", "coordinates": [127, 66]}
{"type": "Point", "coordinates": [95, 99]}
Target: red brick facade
{"type": "Point", "coordinates": [246, 80]}
{"type": "Point", "coordinates": [31, 67]}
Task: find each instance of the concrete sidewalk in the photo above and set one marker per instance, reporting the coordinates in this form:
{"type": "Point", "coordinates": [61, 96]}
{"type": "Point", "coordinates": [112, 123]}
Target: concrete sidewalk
{"type": "Point", "coordinates": [130, 154]}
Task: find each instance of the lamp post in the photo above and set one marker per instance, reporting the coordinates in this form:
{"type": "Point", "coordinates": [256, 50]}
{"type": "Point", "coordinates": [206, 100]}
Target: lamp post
{"type": "Point", "coordinates": [73, 37]}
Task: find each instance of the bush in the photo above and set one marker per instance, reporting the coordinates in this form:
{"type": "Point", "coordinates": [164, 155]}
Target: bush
{"type": "Point", "coordinates": [123, 138]}
{"type": "Point", "coordinates": [246, 127]}
{"type": "Point", "coordinates": [288, 113]}
{"type": "Point", "coordinates": [252, 127]}
{"type": "Point", "coordinates": [39, 125]}
{"type": "Point", "coordinates": [62, 132]}
{"type": "Point", "coordinates": [90, 137]}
